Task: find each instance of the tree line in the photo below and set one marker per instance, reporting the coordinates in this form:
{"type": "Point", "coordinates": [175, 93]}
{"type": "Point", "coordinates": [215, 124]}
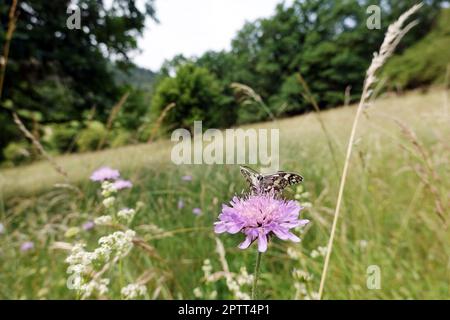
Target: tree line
{"type": "Point", "coordinates": [68, 85]}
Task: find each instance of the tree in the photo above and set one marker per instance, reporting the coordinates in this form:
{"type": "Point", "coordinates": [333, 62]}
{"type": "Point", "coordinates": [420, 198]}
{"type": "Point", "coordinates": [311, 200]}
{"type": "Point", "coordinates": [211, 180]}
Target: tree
{"type": "Point", "coordinates": [58, 72]}
{"type": "Point", "coordinates": [197, 95]}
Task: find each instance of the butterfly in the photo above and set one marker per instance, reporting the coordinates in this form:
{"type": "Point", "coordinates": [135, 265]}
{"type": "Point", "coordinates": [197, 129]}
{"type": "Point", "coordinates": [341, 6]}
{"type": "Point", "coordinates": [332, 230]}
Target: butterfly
{"type": "Point", "coordinates": [267, 183]}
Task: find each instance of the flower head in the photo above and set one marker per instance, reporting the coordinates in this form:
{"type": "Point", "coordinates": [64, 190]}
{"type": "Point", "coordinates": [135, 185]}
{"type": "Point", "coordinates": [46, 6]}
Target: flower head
{"type": "Point", "coordinates": [197, 211]}
{"type": "Point", "coordinates": [105, 173]}
{"type": "Point", "coordinates": [122, 184]}
{"type": "Point", "coordinates": [26, 246]}
{"type": "Point", "coordinates": [259, 217]}
{"type": "Point", "coordinates": [88, 225]}
{"type": "Point", "coordinates": [186, 178]}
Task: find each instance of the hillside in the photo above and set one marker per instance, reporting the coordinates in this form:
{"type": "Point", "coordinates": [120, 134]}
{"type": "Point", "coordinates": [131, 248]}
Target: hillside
{"type": "Point", "coordinates": [426, 62]}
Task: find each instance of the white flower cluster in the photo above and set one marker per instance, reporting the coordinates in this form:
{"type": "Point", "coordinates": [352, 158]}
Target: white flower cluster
{"type": "Point", "coordinates": [133, 291]}
{"type": "Point", "coordinates": [319, 252]}
{"type": "Point", "coordinates": [303, 196]}
{"type": "Point", "coordinates": [303, 293]}
{"type": "Point", "coordinates": [83, 264]}
{"type": "Point", "coordinates": [99, 286]}
{"type": "Point", "coordinates": [86, 268]}
{"type": "Point", "coordinates": [234, 282]}
{"type": "Point", "coordinates": [109, 202]}
{"type": "Point", "coordinates": [294, 254]}
{"type": "Point", "coordinates": [126, 215]}
{"type": "Point", "coordinates": [108, 189]}
{"type": "Point", "coordinates": [118, 242]}
{"type": "Point", "coordinates": [302, 275]}
{"type": "Point", "coordinates": [198, 293]}
{"type": "Point", "coordinates": [103, 220]}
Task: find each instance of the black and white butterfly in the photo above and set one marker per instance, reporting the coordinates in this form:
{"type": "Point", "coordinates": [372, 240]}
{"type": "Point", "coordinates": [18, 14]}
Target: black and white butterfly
{"type": "Point", "coordinates": [267, 183]}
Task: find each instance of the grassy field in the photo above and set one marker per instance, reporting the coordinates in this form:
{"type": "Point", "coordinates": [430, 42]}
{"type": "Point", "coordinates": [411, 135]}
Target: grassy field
{"type": "Point", "coordinates": [395, 213]}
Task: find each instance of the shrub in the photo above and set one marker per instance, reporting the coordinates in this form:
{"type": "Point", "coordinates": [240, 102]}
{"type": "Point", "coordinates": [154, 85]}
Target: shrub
{"type": "Point", "coordinates": [61, 137]}
{"type": "Point", "coordinates": [120, 138]}
{"type": "Point", "coordinates": [91, 136]}
{"type": "Point", "coordinates": [17, 152]}
{"type": "Point", "coordinates": [197, 95]}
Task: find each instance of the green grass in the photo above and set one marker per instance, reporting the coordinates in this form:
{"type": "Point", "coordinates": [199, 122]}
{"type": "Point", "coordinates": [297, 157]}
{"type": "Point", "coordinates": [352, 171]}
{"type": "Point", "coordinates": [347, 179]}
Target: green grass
{"type": "Point", "coordinates": [386, 204]}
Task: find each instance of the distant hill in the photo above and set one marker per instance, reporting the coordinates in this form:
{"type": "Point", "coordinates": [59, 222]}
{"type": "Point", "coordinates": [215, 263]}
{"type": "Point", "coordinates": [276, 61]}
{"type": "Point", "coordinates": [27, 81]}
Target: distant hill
{"type": "Point", "coordinates": [137, 77]}
{"type": "Point", "coordinates": [426, 62]}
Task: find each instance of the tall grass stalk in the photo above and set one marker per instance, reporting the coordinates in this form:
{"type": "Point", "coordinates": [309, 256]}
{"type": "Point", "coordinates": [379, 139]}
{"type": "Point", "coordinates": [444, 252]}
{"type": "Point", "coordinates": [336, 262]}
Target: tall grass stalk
{"type": "Point", "coordinates": [112, 116]}
{"type": "Point", "coordinates": [394, 34]}
{"type": "Point", "coordinates": [310, 98]}
{"type": "Point", "coordinates": [160, 120]}
{"type": "Point", "coordinates": [248, 93]}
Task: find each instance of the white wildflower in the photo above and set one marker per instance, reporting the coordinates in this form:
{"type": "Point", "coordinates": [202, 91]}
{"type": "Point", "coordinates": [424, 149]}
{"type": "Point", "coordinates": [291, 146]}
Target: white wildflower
{"type": "Point", "coordinates": [302, 275]}
{"type": "Point", "coordinates": [198, 293]}
{"type": "Point", "coordinates": [103, 220]}
{"type": "Point", "coordinates": [120, 242]}
{"type": "Point", "coordinates": [319, 252]}
{"type": "Point", "coordinates": [363, 244]}
{"type": "Point", "coordinates": [94, 286]}
{"type": "Point", "coordinates": [109, 202]}
{"type": "Point", "coordinates": [108, 189]}
{"type": "Point", "coordinates": [244, 278]}
{"type": "Point", "coordinates": [293, 254]}
{"type": "Point", "coordinates": [126, 214]}
{"type": "Point", "coordinates": [133, 291]}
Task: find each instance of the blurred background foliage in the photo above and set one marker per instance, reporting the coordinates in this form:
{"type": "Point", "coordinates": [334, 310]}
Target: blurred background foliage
{"type": "Point", "coordinates": [77, 90]}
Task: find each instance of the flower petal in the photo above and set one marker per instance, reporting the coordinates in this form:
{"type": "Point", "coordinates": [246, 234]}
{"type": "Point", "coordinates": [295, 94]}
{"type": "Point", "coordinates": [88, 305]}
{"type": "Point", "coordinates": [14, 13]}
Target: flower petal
{"type": "Point", "coordinates": [246, 243]}
{"type": "Point", "coordinates": [220, 227]}
{"type": "Point", "coordinates": [262, 243]}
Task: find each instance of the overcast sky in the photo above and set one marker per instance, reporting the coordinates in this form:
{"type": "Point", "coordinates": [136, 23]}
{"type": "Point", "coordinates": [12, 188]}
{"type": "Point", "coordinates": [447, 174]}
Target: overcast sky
{"type": "Point", "coordinates": [192, 27]}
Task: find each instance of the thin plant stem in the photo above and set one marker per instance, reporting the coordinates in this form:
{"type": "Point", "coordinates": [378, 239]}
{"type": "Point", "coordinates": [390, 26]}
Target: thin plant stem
{"type": "Point", "coordinates": [329, 138]}
{"type": "Point", "coordinates": [256, 275]}
{"type": "Point", "coordinates": [395, 33]}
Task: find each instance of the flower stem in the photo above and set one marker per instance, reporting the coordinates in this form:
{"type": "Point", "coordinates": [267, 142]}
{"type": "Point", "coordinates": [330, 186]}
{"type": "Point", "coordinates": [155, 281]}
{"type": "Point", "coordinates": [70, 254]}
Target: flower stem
{"type": "Point", "coordinates": [256, 275]}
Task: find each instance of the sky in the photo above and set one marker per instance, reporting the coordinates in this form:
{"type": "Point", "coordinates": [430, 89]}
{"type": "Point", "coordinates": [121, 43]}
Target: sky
{"type": "Point", "coordinates": [192, 27]}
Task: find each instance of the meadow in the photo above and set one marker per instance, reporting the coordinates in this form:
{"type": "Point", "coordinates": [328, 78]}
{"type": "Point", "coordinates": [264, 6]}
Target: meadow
{"type": "Point", "coordinates": [395, 213]}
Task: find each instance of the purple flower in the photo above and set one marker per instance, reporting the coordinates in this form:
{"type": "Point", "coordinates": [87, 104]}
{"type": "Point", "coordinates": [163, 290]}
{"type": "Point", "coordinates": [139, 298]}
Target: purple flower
{"type": "Point", "coordinates": [88, 225]}
{"type": "Point", "coordinates": [26, 246]}
{"type": "Point", "coordinates": [186, 178]}
{"type": "Point", "coordinates": [259, 217]}
{"type": "Point", "coordinates": [180, 204]}
{"type": "Point", "coordinates": [122, 184]}
{"type": "Point", "coordinates": [197, 211]}
{"type": "Point", "coordinates": [105, 173]}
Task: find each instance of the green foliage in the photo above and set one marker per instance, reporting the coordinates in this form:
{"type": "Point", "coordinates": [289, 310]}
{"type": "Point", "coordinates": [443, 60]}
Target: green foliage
{"type": "Point", "coordinates": [134, 110]}
{"type": "Point", "coordinates": [61, 137]}
{"type": "Point", "coordinates": [121, 138]}
{"type": "Point", "coordinates": [425, 62]}
{"type": "Point", "coordinates": [17, 153]}
{"type": "Point", "coordinates": [197, 95]}
{"type": "Point", "coordinates": [90, 137]}
{"type": "Point", "coordinates": [61, 72]}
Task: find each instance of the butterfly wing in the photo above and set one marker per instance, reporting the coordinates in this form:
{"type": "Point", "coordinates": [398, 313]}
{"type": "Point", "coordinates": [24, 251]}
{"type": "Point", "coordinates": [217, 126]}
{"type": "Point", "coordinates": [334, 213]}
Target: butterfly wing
{"type": "Point", "coordinates": [278, 181]}
{"type": "Point", "coordinates": [253, 178]}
